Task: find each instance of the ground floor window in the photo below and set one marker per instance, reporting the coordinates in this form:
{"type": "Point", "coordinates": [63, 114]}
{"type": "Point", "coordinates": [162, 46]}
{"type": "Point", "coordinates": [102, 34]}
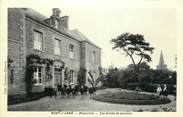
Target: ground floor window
{"type": "Point", "coordinates": [38, 77]}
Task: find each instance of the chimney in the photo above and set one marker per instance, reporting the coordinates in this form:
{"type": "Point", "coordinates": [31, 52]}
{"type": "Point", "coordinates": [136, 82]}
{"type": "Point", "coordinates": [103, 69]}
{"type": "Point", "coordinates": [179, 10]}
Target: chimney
{"type": "Point", "coordinates": [55, 18]}
{"type": "Point", "coordinates": [56, 12]}
{"type": "Point", "coordinates": [64, 21]}
{"type": "Point", "coordinates": [57, 21]}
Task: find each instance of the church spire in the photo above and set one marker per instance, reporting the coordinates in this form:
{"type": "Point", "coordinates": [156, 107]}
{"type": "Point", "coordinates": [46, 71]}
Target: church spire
{"type": "Point", "coordinates": [161, 61]}
{"type": "Point", "coordinates": [161, 65]}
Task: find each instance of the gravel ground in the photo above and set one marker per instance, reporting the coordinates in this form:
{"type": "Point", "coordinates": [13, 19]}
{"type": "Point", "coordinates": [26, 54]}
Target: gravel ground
{"type": "Point", "coordinates": [85, 103]}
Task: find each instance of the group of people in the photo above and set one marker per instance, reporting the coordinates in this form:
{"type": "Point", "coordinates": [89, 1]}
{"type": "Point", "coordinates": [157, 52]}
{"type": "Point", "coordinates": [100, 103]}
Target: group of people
{"type": "Point", "coordinates": [162, 90]}
{"type": "Point", "coordinates": [70, 90]}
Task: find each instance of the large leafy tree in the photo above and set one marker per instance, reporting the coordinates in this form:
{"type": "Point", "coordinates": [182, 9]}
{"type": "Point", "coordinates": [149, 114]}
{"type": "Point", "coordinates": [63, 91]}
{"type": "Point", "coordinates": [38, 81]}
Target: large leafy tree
{"type": "Point", "coordinates": [135, 47]}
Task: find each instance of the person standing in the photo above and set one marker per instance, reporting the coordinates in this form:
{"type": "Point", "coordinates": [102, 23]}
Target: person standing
{"type": "Point", "coordinates": [165, 92]}
{"type": "Point", "coordinates": [82, 90]}
{"type": "Point", "coordinates": [55, 90]}
{"type": "Point", "coordinates": [159, 90]}
{"type": "Point", "coordinates": [59, 89]}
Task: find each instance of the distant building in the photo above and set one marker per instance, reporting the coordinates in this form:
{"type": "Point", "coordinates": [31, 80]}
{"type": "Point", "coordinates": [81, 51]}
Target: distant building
{"type": "Point", "coordinates": [47, 46]}
{"type": "Point", "coordinates": [162, 65]}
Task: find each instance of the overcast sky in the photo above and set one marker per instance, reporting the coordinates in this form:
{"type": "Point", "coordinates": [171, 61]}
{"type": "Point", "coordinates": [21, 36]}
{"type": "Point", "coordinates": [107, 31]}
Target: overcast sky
{"type": "Point", "coordinates": [100, 23]}
{"type": "Point", "coordinates": [157, 25]}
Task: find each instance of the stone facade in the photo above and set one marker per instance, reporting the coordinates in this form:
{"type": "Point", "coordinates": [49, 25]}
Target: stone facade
{"type": "Point", "coordinates": [22, 25]}
{"type": "Point", "coordinates": [16, 51]}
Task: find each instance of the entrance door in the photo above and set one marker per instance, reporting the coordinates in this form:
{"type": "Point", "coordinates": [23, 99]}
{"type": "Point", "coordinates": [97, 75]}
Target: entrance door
{"type": "Point", "coordinates": [58, 76]}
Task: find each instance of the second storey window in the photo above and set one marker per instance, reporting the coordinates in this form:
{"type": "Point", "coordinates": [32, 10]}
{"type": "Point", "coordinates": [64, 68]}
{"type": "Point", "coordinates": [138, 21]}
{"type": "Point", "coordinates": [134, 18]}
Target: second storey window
{"type": "Point", "coordinates": [57, 46]}
{"type": "Point", "coordinates": [71, 51]}
{"type": "Point", "coordinates": [38, 40]}
{"type": "Point", "coordinates": [93, 56]}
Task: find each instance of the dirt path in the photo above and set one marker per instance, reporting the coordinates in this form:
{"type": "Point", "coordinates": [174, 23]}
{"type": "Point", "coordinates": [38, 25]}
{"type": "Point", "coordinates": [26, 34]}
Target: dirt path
{"type": "Point", "coordinates": [85, 103]}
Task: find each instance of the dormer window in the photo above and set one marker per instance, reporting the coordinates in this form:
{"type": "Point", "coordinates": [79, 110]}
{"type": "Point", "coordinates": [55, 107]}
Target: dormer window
{"type": "Point", "coordinates": [56, 24]}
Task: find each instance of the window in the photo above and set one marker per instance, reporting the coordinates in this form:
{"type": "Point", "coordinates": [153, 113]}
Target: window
{"type": "Point", "coordinates": [72, 76]}
{"type": "Point", "coordinates": [93, 56]}
{"type": "Point", "coordinates": [38, 76]}
{"type": "Point", "coordinates": [38, 40]}
{"type": "Point", "coordinates": [57, 46]}
{"type": "Point", "coordinates": [71, 51]}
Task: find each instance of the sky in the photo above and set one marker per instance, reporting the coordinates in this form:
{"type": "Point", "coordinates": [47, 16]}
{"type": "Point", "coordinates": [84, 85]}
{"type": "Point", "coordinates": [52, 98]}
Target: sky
{"type": "Point", "coordinates": [103, 21]}
{"type": "Point", "coordinates": [157, 25]}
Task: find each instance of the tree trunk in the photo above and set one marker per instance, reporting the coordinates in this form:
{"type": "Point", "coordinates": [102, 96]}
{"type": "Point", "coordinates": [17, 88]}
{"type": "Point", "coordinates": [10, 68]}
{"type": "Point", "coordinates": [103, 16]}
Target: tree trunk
{"type": "Point", "coordinates": [137, 76]}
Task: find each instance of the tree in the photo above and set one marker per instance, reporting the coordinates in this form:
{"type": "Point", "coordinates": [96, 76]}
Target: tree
{"type": "Point", "coordinates": [142, 67]}
{"type": "Point", "coordinates": [111, 77]}
{"type": "Point", "coordinates": [91, 80]}
{"type": "Point", "coordinates": [134, 45]}
{"type": "Point", "coordinates": [94, 81]}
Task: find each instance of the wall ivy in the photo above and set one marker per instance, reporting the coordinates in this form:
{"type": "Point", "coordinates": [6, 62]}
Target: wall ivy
{"type": "Point", "coordinates": [33, 59]}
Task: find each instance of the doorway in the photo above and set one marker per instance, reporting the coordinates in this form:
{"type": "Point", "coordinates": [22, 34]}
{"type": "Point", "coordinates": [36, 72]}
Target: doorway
{"type": "Point", "coordinates": [58, 76]}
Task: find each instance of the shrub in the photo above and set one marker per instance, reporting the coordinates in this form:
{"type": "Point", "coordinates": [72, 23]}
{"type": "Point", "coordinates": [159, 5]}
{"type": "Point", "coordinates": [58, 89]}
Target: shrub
{"type": "Point", "coordinates": [119, 78]}
{"type": "Point", "coordinates": [49, 91]}
{"type": "Point", "coordinates": [151, 87]}
{"type": "Point", "coordinates": [148, 87]}
{"type": "Point", "coordinates": [131, 86]}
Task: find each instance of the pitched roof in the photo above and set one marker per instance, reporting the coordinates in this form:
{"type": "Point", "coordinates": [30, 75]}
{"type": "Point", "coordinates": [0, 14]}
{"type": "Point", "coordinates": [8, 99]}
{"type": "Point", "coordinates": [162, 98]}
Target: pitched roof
{"type": "Point", "coordinates": [76, 34]}
{"type": "Point", "coordinates": [34, 14]}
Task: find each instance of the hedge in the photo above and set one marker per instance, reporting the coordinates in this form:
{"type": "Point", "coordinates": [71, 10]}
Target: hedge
{"type": "Point", "coordinates": [151, 87]}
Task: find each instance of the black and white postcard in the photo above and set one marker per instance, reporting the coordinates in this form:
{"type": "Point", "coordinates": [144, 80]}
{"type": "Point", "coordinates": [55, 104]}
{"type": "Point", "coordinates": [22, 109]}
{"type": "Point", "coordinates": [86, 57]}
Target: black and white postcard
{"type": "Point", "coordinates": [91, 58]}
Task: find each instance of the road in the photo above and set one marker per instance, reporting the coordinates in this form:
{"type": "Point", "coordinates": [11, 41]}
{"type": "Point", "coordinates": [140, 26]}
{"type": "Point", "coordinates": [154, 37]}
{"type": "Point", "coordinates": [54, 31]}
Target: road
{"type": "Point", "coordinates": [84, 103]}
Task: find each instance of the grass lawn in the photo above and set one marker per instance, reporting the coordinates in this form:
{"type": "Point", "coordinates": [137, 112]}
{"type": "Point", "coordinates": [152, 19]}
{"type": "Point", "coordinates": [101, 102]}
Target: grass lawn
{"type": "Point", "coordinates": [129, 97]}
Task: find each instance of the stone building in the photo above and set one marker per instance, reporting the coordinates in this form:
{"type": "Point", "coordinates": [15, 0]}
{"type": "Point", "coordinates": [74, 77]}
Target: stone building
{"type": "Point", "coordinates": [45, 52]}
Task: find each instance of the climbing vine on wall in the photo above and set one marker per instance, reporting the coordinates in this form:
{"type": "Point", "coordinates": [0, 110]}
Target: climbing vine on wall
{"type": "Point", "coordinates": [48, 72]}
{"type": "Point", "coordinates": [10, 61]}
{"type": "Point", "coordinates": [10, 70]}
{"type": "Point", "coordinates": [33, 59]}
{"type": "Point", "coordinates": [67, 74]}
